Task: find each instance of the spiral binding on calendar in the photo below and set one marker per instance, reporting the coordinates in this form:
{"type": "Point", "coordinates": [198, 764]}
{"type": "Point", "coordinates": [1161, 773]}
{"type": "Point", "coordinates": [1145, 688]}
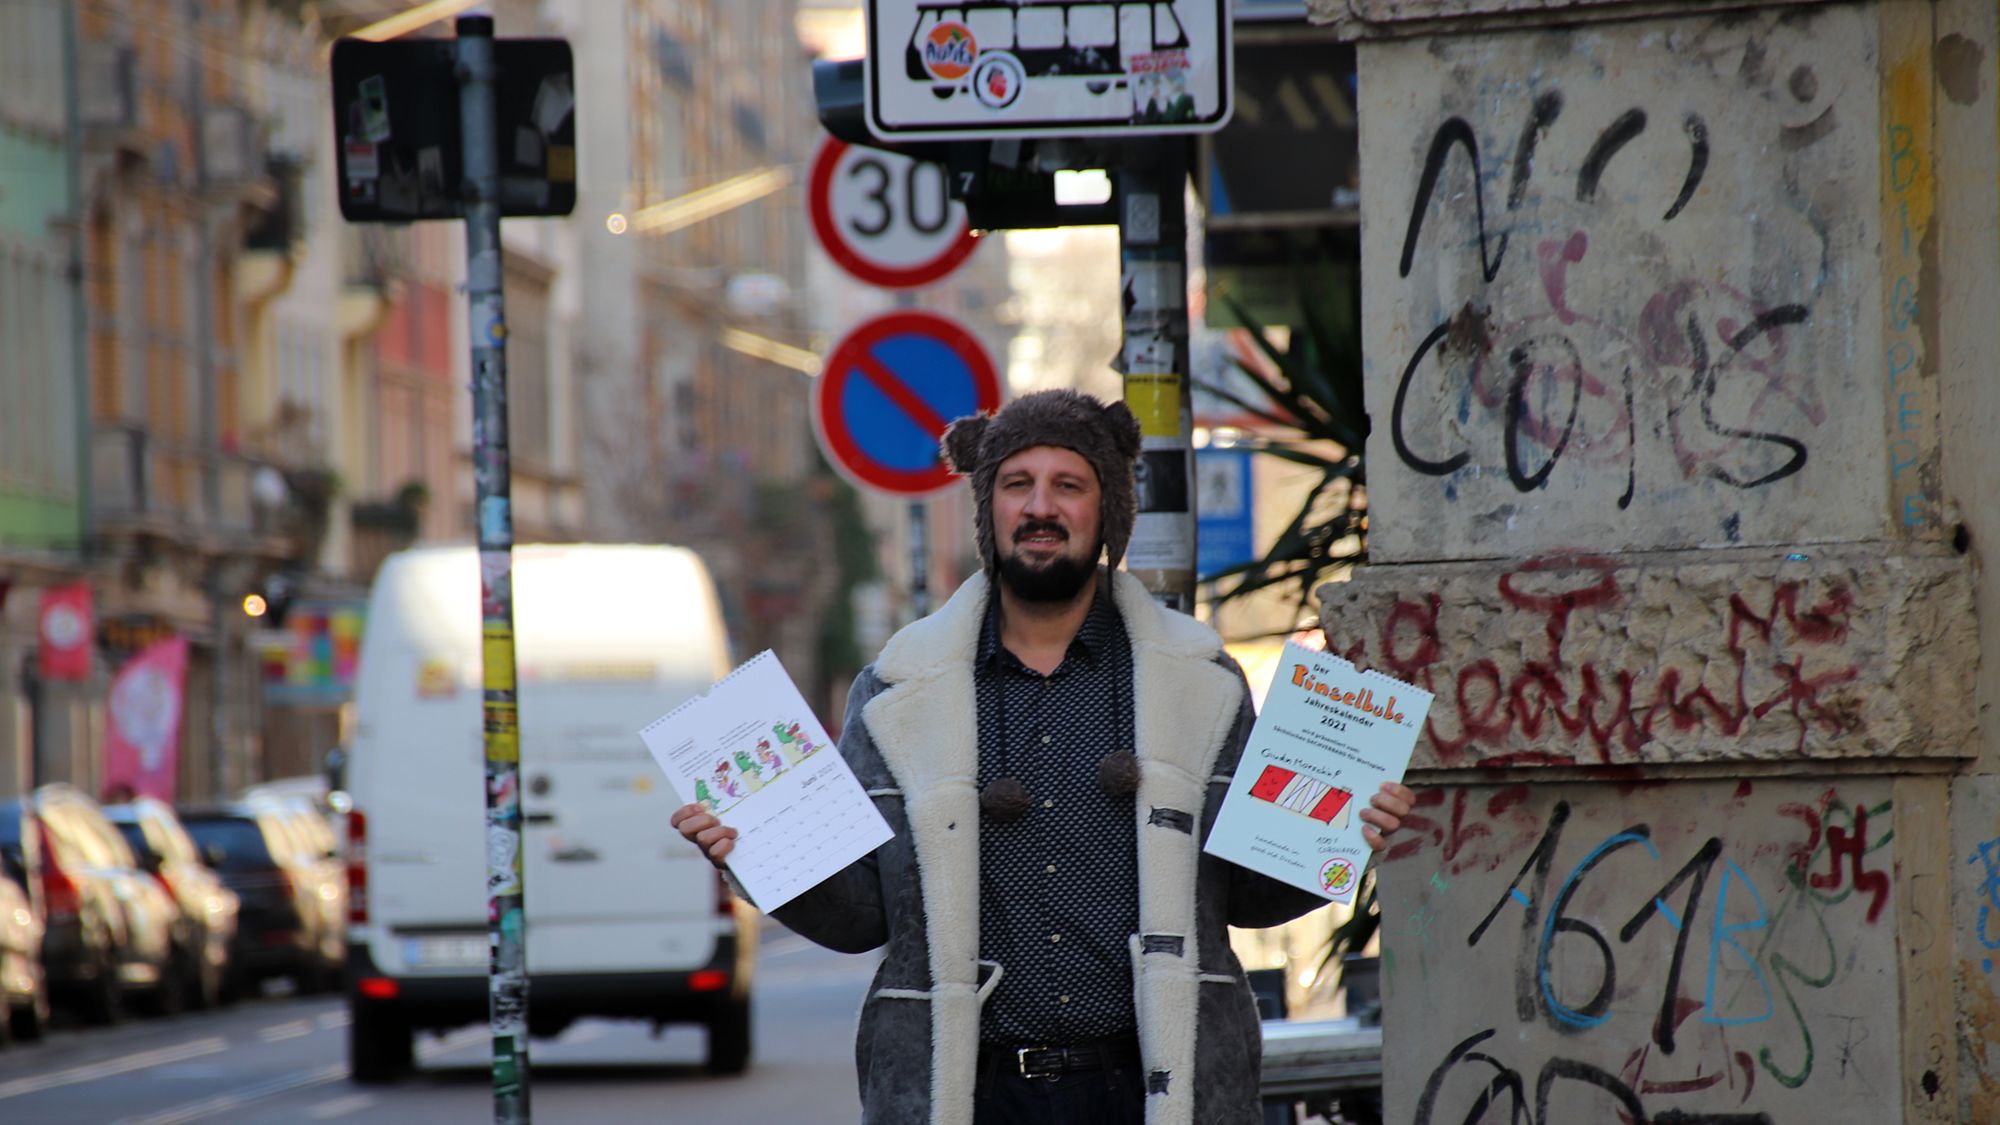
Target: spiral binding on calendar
{"type": "Point", "coordinates": [670, 716]}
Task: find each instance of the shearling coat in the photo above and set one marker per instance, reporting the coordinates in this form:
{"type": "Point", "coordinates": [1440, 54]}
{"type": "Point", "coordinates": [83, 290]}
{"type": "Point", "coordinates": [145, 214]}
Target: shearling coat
{"type": "Point", "coordinates": [911, 737]}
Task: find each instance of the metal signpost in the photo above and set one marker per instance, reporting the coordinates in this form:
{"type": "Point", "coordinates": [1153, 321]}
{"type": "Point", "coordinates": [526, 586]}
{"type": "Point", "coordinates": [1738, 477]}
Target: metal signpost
{"type": "Point", "coordinates": [1152, 247]}
{"type": "Point", "coordinates": [420, 125]}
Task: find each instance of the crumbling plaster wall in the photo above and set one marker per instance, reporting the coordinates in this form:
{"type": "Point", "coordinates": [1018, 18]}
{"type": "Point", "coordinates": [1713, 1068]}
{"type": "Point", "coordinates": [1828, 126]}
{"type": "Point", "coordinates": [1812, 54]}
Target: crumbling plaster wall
{"type": "Point", "coordinates": [1674, 657]}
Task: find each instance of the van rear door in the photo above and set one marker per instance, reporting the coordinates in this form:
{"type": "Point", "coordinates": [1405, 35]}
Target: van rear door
{"type": "Point", "coordinates": [611, 885]}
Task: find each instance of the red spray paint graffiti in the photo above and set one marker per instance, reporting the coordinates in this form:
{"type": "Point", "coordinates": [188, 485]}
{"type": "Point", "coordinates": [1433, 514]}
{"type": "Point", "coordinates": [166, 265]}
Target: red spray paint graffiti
{"type": "Point", "coordinates": [1613, 712]}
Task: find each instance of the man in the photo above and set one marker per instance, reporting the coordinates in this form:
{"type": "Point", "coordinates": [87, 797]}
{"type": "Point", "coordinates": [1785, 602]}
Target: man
{"type": "Point", "coordinates": [1050, 748]}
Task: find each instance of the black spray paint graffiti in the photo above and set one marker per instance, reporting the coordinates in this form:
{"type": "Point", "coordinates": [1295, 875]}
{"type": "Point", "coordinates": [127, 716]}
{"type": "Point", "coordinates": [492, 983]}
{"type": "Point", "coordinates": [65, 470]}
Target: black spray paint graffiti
{"type": "Point", "coordinates": [1506, 1082]}
{"type": "Point", "coordinates": [1758, 970]}
{"type": "Point", "coordinates": [1563, 382]}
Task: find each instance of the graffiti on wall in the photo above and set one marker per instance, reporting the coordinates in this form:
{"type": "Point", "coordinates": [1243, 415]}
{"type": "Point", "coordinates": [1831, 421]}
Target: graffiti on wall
{"type": "Point", "coordinates": [1550, 665]}
{"type": "Point", "coordinates": [1530, 376]}
{"type": "Point", "coordinates": [1629, 282]}
{"type": "Point", "coordinates": [1700, 952]}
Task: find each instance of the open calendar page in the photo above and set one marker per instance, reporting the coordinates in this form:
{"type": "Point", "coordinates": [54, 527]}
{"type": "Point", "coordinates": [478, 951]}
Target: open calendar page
{"type": "Point", "coordinates": [1327, 738]}
{"type": "Point", "coordinates": [750, 749]}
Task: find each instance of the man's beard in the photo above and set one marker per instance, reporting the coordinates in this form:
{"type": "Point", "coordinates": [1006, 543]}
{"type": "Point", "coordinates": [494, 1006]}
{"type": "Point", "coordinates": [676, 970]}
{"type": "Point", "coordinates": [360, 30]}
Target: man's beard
{"type": "Point", "coordinates": [1058, 580]}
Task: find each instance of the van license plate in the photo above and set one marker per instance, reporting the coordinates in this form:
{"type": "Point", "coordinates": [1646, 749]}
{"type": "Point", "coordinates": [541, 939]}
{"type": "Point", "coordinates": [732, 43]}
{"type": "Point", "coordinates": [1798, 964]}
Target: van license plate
{"type": "Point", "coordinates": [445, 952]}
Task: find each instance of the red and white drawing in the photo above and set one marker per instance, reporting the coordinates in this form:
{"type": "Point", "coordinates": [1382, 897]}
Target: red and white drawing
{"type": "Point", "coordinates": [1291, 790]}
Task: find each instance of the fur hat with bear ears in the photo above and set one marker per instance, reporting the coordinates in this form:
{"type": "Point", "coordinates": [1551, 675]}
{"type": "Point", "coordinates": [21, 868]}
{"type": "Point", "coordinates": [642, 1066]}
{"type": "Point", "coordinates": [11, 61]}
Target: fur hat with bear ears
{"type": "Point", "coordinates": [1104, 434]}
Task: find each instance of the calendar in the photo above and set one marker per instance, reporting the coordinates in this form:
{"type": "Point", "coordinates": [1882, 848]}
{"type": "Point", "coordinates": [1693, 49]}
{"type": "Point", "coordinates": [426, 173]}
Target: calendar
{"type": "Point", "coordinates": [1329, 735]}
{"type": "Point", "coordinates": [750, 750]}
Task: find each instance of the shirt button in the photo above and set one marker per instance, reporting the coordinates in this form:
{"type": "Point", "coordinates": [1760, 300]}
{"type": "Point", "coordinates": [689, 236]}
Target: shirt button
{"type": "Point", "coordinates": [1055, 937]}
{"type": "Point", "coordinates": [1049, 804]}
{"type": "Point", "coordinates": [1063, 999]}
{"type": "Point", "coordinates": [1051, 869]}
{"type": "Point", "coordinates": [1045, 740]}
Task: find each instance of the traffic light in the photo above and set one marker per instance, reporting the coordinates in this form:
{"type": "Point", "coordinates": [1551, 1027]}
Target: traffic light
{"type": "Point", "coordinates": [1005, 185]}
{"type": "Point", "coordinates": [272, 598]}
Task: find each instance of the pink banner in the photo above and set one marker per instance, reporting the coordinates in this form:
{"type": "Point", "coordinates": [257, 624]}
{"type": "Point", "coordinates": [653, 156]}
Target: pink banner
{"type": "Point", "coordinates": [142, 747]}
{"type": "Point", "coordinates": [68, 624]}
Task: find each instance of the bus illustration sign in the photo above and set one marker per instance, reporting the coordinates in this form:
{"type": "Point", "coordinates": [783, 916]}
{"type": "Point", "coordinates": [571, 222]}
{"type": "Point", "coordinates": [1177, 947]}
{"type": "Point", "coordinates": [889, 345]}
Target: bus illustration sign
{"type": "Point", "coordinates": [966, 69]}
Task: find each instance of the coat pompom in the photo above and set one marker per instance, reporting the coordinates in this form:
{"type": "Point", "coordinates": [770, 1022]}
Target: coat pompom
{"type": "Point", "coordinates": [1004, 800]}
{"type": "Point", "coordinates": [1118, 774]}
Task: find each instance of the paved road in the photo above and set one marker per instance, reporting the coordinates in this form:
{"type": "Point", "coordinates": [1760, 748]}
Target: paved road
{"type": "Point", "coordinates": [283, 1060]}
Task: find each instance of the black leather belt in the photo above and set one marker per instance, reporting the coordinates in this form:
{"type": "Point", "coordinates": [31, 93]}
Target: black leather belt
{"type": "Point", "coordinates": [1051, 1062]}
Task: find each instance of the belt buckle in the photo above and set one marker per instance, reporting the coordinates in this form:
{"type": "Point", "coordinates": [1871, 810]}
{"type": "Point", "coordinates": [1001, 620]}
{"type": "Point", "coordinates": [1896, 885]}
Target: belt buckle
{"type": "Point", "coordinates": [1021, 1063]}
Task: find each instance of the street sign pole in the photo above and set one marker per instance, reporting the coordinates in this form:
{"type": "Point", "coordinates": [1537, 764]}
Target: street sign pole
{"type": "Point", "coordinates": [507, 989]}
{"type": "Point", "coordinates": [920, 559]}
{"type": "Point", "coordinates": [1152, 246]}
{"type": "Point", "coordinates": [920, 539]}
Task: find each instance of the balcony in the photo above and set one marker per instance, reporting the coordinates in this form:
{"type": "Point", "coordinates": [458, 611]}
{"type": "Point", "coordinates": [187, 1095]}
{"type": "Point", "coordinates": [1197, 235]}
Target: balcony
{"type": "Point", "coordinates": [143, 486]}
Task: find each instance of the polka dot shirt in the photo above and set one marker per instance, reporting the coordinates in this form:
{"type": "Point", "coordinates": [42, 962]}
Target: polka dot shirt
{"type": "Point", "coordinates": [1059, 888]}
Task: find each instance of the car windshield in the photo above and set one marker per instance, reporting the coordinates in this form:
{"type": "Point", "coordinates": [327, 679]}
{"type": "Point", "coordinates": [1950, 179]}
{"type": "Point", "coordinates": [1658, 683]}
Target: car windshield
{"type": "Point", "coordinates": [241, 841]}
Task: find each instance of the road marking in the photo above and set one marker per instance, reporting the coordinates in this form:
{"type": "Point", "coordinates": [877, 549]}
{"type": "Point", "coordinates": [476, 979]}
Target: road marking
{"type": "Point", "coordinates": [339, 1017]}
{"type": "Point", "coordinates": [284, 1031]}
{"type": "Point", "coordinates": [237, 1099]}
{"type": "Point", "coordinates": [340, 1107]}
{"type": "Point", "coordinates": [90, 1072]}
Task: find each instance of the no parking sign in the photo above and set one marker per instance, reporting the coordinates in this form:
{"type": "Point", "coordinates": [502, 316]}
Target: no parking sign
{"type": "Point", "coordinates": [889, 390]}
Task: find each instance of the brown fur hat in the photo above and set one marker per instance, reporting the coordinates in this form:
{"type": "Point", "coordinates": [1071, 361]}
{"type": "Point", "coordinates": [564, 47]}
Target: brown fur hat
{"type": "Point", "coordinates": [1104, 434]}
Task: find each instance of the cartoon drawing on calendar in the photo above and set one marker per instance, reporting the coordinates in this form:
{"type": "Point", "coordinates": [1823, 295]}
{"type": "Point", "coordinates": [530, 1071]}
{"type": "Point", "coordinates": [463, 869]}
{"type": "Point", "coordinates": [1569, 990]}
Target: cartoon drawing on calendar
{"type": "Point", "coordinates": [750, 771]}
{"type": "Point", "coordinates": [794, 742]}
{"type": "Point", "coordinates": [1298, 793]}
{"type": "Point", "coordinates": [727, 784]}
{"type": "Point", "coordinates": [769, 758]}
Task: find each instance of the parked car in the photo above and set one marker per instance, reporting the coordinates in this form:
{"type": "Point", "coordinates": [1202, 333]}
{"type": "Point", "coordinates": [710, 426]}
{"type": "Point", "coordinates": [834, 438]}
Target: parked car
{"type": "Point", "coordinates": [24, 988]}
{"type": "Point", "coordinates": [205, 941]}
{"type": "Point", "coordinates": [110, 925]}
{"type": "Point", "coordinates": [316, 858]}
{"type": "Point", "coordinates": [24, 991]}
{"type": "Point", "coordinates": [280, 929]}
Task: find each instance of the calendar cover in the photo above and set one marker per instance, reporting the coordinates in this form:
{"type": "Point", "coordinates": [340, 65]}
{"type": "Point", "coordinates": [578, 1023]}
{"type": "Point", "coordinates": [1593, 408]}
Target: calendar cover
{"type": "Point", "coordinates": [750, 749]}
{"type": "Point", "coordinates": [1328, 737]}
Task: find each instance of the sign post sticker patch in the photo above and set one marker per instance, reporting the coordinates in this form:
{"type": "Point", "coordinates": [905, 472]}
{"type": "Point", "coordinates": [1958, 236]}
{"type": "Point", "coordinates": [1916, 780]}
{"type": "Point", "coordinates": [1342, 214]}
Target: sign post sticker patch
{"type": "Point", "coordinates": [948, 51]}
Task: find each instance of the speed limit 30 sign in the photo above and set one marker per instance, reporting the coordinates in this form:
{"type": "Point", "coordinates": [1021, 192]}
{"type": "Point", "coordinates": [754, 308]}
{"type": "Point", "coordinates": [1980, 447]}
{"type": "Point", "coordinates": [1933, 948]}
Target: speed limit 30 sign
{"type": "Point", "coordinates": [885, 218]}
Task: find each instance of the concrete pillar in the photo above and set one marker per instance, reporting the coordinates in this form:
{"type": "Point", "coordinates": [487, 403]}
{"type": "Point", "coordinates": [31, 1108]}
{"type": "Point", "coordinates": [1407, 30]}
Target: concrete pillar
{"type": "Point", "coordinates": [1678, 340]}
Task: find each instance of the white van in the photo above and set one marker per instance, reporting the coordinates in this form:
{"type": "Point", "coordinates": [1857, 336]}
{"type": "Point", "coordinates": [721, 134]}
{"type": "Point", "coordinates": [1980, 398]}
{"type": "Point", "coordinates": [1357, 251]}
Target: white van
{"type": "Point", "coordinates": [624, 918]}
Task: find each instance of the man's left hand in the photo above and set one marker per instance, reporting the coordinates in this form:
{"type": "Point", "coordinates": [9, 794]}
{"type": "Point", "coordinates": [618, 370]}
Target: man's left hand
{"type": "Point", "coordinates": [1385, 813]}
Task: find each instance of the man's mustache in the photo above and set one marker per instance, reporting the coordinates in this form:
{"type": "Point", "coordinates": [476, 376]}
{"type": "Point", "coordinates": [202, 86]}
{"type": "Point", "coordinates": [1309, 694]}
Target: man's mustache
{"type": "Point", "coordinates": [1040, 527]}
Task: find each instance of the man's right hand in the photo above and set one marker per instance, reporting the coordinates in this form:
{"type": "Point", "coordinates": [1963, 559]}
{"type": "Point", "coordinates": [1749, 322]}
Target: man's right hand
{"type": "Point", "coordinates": [704, 831]}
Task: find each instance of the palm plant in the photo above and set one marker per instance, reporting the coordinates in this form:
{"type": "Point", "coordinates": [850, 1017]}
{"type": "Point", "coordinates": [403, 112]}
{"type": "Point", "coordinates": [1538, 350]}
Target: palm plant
{"type": "Point", "coordinates": [1313, 403]}
{"type": "Point", "coordinates": [1313, 408]}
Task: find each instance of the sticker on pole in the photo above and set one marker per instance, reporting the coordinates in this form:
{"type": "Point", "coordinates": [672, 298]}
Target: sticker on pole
{"type": "Point", "coordinates": [887, 393]}
{"type": "Point", "coordinates": [885, 218]}
{"type": "Point", "coordinates": [944, 69]}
